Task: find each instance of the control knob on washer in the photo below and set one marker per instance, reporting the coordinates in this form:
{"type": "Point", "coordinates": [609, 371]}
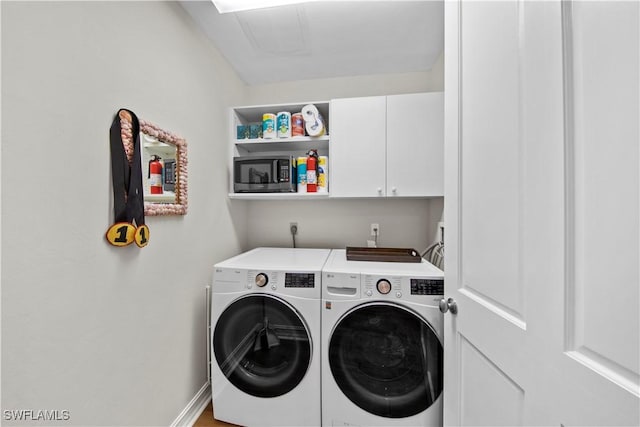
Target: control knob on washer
{"type": "Point", "coordinates": [261, 279]}
{"type": "Point", "coordinates": [383, 286]}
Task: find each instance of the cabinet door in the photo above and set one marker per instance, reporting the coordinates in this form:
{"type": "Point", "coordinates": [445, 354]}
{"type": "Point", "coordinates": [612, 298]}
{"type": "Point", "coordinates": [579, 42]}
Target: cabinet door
{"type": "Point", "coordinates": [358, 131]}
{"type": "Point", "coordinates": [415, 144]}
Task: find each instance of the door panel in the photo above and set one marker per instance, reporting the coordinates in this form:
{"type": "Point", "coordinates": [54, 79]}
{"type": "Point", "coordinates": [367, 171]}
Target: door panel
{"type": "Point", "coordinates": [484, 213]}
{"type": "Point", "coordinates": [543, 244]}
{"type": "Point", "coordinates": [604, 190]}
{"type": "Point", "coordinates": [490, 185]}
{"type": "Point", "coordinates": [503, 407]}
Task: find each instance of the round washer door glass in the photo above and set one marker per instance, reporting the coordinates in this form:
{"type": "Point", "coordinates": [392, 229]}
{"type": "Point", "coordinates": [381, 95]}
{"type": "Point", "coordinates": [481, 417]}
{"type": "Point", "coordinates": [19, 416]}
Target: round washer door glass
{"type": "Point", "coordinates": [387, 360]}
{"type": "Point", "coordinates": [262, 345]}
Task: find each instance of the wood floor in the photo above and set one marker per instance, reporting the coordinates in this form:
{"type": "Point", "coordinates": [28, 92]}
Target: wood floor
{"type": "Point", "coordinates": [206, 419]}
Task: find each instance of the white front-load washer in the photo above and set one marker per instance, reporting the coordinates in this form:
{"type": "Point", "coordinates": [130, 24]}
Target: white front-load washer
{"type": "Point", "coordinates": [265, 337]}
{"type": "Point", "coordinates": [381, 343]}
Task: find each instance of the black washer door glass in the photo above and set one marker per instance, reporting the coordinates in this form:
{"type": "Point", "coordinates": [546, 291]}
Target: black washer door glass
{"type": "Point", "coordinates": [262, 346]}
{"type": "Point", "coordinates": [386, 360]}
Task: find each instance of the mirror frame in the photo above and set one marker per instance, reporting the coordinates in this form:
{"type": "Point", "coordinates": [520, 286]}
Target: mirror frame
{"type": "Point", "coordinates": [180, 205]}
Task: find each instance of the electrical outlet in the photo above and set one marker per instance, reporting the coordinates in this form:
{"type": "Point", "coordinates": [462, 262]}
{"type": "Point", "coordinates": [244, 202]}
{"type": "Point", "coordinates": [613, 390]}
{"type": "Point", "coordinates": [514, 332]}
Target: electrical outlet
{"type": "Point", "coordinates": [293, 227]}
{"type": "Point", "coordinates": [375, 229]}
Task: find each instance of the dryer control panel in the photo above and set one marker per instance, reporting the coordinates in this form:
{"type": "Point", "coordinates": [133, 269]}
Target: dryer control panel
{"type": "Point", "coordinates": [294, 283]}
{"type": "Point", "coordinates": [299, 280]}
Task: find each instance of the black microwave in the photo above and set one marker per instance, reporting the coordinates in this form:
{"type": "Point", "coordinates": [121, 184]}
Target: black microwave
{"type": "Point", "coordinates": [274, 174]}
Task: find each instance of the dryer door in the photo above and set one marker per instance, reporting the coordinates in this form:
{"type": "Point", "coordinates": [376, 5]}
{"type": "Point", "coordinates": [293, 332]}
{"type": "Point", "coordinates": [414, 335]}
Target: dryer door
{"type": "Point", "coordinates": [387, 360]}
{"type": "Point", "coordinates": [262, 345]}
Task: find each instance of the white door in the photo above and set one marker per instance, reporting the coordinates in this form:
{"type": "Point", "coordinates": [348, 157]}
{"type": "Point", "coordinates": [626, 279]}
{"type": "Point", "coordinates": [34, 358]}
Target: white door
{"type": "Point", "coordinates": [358, 140]}
{"type": "Point", "coordinates": [542, 195]}
{"type": "Point", "coordinates": [415, 144]}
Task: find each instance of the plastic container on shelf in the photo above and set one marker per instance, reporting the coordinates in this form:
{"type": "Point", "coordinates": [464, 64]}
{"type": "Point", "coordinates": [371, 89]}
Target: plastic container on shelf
{"type": "Point", "coordinates": [268, 125]}
{"type": "Point", "coordinates": [302, 174]}
{"type": "Point", "coordinates": [283, 120]}
{"type": "Point", "coordinates": [297, 124]}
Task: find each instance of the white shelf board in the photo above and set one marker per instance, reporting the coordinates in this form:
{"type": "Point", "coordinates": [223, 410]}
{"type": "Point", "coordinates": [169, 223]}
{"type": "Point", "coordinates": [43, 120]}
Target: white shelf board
{"type": "Point", "coordinates": [278, 196]}
{"type": "Point", "coordinates": [295, 143]}
{"type": "Point", "coordinates": [254, 113]}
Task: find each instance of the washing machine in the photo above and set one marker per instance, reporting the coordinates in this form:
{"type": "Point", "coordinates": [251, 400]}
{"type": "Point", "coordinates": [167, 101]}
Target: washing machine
{"type": "Point", "coordinates": [265, 337]}
{"type": "Point", "coordinates": [381, 343]}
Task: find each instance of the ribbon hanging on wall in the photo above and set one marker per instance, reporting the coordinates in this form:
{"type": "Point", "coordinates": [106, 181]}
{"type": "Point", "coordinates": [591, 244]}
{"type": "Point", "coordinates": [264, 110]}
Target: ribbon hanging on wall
{"type": "Point", "coordinates": [126, 173]}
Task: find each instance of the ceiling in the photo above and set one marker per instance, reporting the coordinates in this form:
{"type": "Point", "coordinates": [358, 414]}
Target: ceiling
{"type": "Point", "coordinates": [325, 39]}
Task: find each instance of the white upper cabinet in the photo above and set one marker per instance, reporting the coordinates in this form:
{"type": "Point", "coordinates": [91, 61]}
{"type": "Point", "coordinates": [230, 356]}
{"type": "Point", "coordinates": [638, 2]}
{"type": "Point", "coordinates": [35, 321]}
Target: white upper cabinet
{"type": "Point", "coordinates": [415, 143]}
{"type": "Point", "coordinates": [387, 146]}
{"type": "Point", "coordinates": [357, 164]}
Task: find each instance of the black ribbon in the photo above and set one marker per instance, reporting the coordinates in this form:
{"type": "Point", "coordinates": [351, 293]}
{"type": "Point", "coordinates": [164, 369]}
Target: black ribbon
{"type": "Point", "coordinates": [128, 196]}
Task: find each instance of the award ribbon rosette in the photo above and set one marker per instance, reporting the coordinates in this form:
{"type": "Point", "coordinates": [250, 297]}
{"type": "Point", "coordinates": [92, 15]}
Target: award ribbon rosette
{"type": "Point", "coordinates": [126, 172]}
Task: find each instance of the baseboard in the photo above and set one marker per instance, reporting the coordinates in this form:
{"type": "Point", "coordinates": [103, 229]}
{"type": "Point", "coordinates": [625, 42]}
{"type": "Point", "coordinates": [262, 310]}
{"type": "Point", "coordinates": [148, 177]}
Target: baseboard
{"type": "Point", "coordinates": [192, 411]}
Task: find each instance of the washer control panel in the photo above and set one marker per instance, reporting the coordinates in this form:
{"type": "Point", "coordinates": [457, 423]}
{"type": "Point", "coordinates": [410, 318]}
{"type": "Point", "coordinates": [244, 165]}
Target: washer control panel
{"type": "Point", "coordinates": [427, 286]}
{"type": "Point", "coordinates": [401, 287]}
{"type": "Point", "coordinates": [378, 286]}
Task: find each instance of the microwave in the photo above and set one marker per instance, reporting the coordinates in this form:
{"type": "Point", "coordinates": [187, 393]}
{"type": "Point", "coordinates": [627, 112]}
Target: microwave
{"type": "Point", "coordinates": [264, 174]}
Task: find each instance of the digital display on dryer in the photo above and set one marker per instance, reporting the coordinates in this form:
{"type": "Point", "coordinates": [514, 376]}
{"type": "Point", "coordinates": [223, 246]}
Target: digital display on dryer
{"type": "Point", "coordinates": [299, 280]}
{"type": "Point", "coordinates": [427, 286]}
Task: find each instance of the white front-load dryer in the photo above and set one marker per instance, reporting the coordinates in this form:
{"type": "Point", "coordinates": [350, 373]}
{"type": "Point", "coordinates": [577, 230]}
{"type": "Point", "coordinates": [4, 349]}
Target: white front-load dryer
{"type": "Point", "coordinates": [265, 337]}
{"type": "Point", "coordinates": [381, 343]}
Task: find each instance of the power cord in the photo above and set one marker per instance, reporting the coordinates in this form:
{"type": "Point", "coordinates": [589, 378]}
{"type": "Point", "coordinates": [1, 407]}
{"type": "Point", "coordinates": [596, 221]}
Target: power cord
{"type": "Point", "coordinates": [294, 231]}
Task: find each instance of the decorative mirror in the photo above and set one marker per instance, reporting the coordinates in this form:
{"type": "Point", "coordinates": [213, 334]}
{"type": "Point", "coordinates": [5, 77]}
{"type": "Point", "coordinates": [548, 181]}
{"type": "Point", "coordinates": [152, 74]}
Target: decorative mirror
{"type": "Point", "coordinates": [164, 165]}
{"type": "Point", "coordinates": [164, 170]}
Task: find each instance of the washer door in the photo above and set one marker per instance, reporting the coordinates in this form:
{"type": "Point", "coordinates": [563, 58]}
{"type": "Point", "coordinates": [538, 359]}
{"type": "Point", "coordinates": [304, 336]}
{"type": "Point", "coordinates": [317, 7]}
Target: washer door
{"type": "Point", "coordinates": [387, 360]}
{"type": "Point", "coordinates": [262, 345]}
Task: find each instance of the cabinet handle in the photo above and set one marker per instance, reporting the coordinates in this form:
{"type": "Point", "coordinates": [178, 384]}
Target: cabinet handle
{"type": "Point", "coordinates": [394, 190]}
{"type": "Point", "coordinates": [379, 190]}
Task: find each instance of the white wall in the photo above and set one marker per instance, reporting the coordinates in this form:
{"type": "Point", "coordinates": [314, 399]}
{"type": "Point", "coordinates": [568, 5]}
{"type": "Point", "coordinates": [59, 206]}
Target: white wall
{"type": "Point", "coordinates": [116, 336]}
{"type": "Point", "coordinates": [346, 87]}
{"type": "Point", "coordinates": [339, 223]}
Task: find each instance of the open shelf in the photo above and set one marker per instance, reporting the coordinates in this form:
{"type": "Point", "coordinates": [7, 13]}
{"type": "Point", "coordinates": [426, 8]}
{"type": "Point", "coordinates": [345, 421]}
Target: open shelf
{"type": "Point", "coordinates": [254, 113]}
{"type": "Point", "coordinates": [278, 196]}
{"type": "Point", "coordinates": [295, 143]}
{"type": "Point", "coordinates": [295, 146]}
